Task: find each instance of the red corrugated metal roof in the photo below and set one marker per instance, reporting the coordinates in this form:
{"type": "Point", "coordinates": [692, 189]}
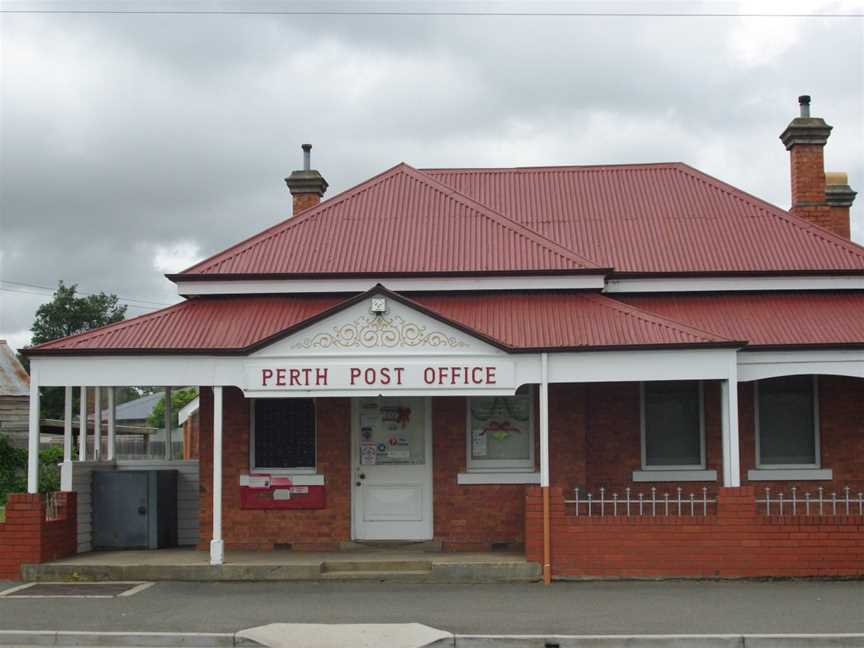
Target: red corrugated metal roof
{"type": "Point", "coordinates": [551, 320]}
{"type": "Point", "coordinates": [767, 319]}
{"type": "Point", "coordinates": [511, 321]}
{"type": "Point", "coordinates": [211, 324]}
{"type": "Point", "coordinates": [400, 222]}
{"type": "Point", "coordinates": [656, 218]}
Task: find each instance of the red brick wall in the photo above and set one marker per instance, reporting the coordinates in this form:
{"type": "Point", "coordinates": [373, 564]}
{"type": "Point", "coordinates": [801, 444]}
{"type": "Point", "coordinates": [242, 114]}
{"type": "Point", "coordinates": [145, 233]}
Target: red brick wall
{"type": "Point", "coordinates": [321, 529]}
{"type": "Point", "coordinates": [841, 427]}
{"type": "Point", "coordinates": [614, 441]}
{"type": "Point", "coordinates": [27, 538]}
{"type": "Point", "coordinates": [736, 542]}
{"type": "Point", "coordinates": [594, 442]}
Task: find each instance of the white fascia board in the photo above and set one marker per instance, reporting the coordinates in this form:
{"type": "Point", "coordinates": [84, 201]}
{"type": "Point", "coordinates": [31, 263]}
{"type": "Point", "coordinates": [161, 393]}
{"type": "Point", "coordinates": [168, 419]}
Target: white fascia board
{"type": "Point", "coordinates": [629, 366]}
{"type": "Point", "coordinates": [758, 365]}
{"type": "Point", "coordinates": [724, 284]}
{"type": "Point", "coordinates": [398, 284]}
{"type": "Point", "coordinates": [187, 410]}
{"type": "Point", "coordinates": [119, 370]}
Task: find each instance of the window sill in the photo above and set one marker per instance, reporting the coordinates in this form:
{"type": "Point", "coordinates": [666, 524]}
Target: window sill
{"type": "Point", "coordinates": [695, 475]}
{"type": "Point", "coordinates": [498, 478]}
{"type": "Point", "coordinates": [297, 479]}
{"type": "Point", "coordinates": [790, 474]}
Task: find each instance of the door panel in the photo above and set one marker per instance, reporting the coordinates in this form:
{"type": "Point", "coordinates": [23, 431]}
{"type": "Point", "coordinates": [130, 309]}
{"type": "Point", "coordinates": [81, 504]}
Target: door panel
{"type": "Point", "coordinates": [392, 469]}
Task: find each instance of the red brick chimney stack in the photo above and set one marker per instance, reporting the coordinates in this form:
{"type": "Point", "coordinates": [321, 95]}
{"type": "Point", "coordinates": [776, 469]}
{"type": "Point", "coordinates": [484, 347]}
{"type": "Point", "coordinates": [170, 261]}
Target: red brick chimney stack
{"type": "Point", "coordinates": [805, 139]}
{"type": "Point", "coordinates": [306, 185]}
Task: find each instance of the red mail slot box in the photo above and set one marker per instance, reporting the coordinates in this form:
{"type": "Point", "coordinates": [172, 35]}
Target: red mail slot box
{"type": "Point", "coordinates": [279, 493]}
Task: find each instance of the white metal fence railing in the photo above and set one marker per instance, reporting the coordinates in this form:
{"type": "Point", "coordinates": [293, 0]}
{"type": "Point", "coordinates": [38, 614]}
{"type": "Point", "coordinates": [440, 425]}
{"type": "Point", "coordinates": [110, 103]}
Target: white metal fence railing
{"type": "Point", "coordinates": [817, 504]}
{"type": "Point", "coordinates": [651, 505]}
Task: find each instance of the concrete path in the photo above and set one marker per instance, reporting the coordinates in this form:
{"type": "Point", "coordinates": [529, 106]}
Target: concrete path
{"type": "Point", "coordinates": [591, 608]}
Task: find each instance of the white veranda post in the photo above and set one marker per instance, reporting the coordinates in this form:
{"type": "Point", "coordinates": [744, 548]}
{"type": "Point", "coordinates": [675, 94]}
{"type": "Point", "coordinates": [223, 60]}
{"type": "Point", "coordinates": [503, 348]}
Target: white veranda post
{"type": "Point", "coordinates": [67, 425]}
{"type": "Point", "coordinates": [82, 425]}
{"type": "Point", "coordinates": [544, 465]}
{"type": "Point", "coordinates": [729, 418]}
{"type": "Point", "coordinates": [33, 438]}
{"type": "Point", "coordinates": [112, 417]}
{"type": "Point", "coordinates": [217, 547]}
{"type": "Point", "coordinates": [97, 423]}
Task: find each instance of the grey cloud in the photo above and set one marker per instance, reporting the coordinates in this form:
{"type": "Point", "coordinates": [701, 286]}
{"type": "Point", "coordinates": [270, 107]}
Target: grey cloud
{"type": "Point", "coordinates": [121, 133]}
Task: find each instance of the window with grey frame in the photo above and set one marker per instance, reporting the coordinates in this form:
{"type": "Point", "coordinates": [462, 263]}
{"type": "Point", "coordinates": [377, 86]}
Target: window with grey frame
{"type": "Point", "coordinates": [787, 422]}
{"type": "Point", "coordinates": [283, 434]}
{"type": "Point", "coordinates": [673, 429]}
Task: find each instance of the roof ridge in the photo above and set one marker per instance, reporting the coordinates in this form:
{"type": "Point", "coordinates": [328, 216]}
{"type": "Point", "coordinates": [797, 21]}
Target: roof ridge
{"type": "Point", "coordinates": [773, 210]}
{"type": "Point", "coordinates": [550, 167]}
{"type": "Point", "coordinates": [654, 318]}
{"type": "Point", "coordinates": [510, 223]}
{"type": "Point", "coordinates": [293, 221]}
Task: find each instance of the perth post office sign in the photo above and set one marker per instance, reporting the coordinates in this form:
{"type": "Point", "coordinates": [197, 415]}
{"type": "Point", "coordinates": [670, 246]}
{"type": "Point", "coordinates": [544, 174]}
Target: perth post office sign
{"type": "Point", "coordinates": [413, 376]}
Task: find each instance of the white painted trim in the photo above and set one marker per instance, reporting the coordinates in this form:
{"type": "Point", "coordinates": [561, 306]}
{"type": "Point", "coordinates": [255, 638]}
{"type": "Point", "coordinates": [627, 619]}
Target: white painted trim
{"type": "Point", "coordinates": [674, 475]}
{"type": "Point", "coordinates": [790, 474]}
{"type": "Point", "coordinates": [187, 410]}
{"type": "Point", "coordinates": [756, 365]}
{"type": "Point", "coordinates": [817, 452]}
{"type": "Point", "coordinates": [217, 546]}
{"type": "Point", "coordinates": [419, 284]}
{"type": "Point", "coordinates": [97, 424]}
{"type": "Point", "coordinates": [281, 470]}
{"type": "Point", "coordinates": [544, 419]}
{"type": "Point", "coordinates": [706, 284]}
{"type": "Point", "coordinates": [33, 436]}
{"type": "Point", "coordinates": [731, 449]}
{"type": "Point", "coordinates": [643, 429]}
{"type": "Point", "coordinates": [472, 478]}
{"type": "Point", "coordinates": [112, 422]}
{"type": "Point", "coordinates": [82, 425]}
{"type": "Point", "coordinates": [499, 465]}
{"type": "Point", "coordinates": [67, 424]}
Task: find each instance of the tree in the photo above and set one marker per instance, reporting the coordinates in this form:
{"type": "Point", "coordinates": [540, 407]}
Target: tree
{"type": "Point", "coordinates": [179, 398]}
{"type": "Point", "coordinates": [67, 314]}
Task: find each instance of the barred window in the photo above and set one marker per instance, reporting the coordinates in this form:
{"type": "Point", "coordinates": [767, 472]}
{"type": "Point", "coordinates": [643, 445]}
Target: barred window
{"type": "Point", "coordinates": [283, 434]}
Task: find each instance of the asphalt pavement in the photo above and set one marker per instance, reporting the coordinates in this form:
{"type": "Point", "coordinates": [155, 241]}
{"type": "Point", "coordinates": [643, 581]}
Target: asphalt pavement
{"type": "Point", "coordinates": [598, 607]}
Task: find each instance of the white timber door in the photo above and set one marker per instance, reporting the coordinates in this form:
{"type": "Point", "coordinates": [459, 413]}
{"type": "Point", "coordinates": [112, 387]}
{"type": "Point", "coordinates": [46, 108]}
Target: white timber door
{"type": "Point", "coordinates": [391, 468]}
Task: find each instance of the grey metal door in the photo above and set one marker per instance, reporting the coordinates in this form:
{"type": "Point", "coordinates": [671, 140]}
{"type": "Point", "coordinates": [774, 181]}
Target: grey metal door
{"type": "Point", "coordinates": [120, 509]}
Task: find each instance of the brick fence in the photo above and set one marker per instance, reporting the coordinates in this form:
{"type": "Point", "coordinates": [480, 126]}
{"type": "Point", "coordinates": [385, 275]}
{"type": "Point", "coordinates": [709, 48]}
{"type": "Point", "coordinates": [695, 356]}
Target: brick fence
{"type": "Point", "coordinates": [27, 537]}
{"type": "Point", "coordinates": [737, 541]}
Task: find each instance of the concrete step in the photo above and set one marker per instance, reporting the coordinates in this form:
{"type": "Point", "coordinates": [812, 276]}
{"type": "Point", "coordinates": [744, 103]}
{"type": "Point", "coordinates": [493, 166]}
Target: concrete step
{"type": "Point", "coordinates": [371, 546]}
{"type": "Point", "coordinates": [389, 566]}
{"type": "Point", "coordinates": [402, 576]}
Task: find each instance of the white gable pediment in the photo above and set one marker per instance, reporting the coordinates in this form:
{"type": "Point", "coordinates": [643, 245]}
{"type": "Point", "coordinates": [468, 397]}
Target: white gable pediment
{"type": "Point", "coordinates": [357, 331]}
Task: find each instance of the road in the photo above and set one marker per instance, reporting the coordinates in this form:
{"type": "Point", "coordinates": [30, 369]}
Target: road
{"type": "Point", "coordinates": [566, 608]}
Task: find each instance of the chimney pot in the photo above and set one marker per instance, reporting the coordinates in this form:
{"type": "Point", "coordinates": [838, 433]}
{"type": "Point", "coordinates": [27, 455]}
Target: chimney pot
{"type": "Point", "coordinates": [804, 103]}
{"type": "Point", "coordinates": [306, 185]}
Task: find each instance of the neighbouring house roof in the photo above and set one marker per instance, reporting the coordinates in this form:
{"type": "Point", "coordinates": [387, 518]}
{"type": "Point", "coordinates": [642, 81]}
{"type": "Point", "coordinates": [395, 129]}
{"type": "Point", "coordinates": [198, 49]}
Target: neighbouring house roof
{"type": "Point", "coordinates": [401, 222]}
{"type": "Point", "coordinates": [14, 380]}
{"type": "Point", "coordinates": [786, 319]}
{"type": "Point", "coordinates": [515, 322]}
{"type": "Point", "coordinates": [656, 218]}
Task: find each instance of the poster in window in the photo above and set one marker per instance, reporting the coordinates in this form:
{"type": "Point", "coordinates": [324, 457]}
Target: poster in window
{"type": "Point", "coordinates": [500, 427]}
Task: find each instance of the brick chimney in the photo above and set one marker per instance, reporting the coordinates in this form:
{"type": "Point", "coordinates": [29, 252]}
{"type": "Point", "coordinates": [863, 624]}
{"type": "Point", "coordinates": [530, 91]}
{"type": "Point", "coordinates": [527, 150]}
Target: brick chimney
{"type": "Point", "coordinates": [306, 185]}
{"type": "Point", "coordinates": [825, 204]}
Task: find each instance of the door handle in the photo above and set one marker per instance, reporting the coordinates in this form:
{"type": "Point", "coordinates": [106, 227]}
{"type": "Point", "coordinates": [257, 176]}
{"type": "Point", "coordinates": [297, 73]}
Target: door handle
{"type": "Point", "coordinates": [362, 475]}
{"type": "Point", "coordinates": [141, 510]}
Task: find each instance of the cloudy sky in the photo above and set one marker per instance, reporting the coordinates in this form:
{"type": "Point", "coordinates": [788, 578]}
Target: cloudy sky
{"type": "Point", "coordinates": [136, 144]}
